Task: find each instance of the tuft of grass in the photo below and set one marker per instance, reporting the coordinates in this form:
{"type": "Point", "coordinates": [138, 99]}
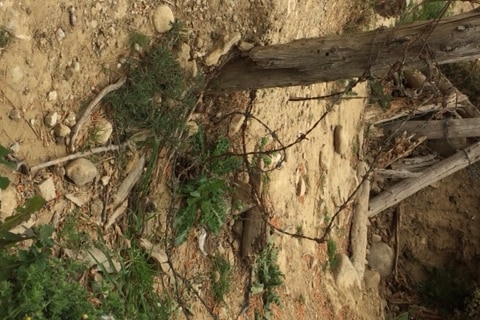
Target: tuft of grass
{"type": "Point", "coordinates": [379, 94]}
{"type": "Point", "coordinates": [426, 10]}
{"type": "Point", "coordinates": [268, 278]}
{"type": "Point", "coordinates": [332, 254]}
{"type": "Point", "coordinates": [221, 277]}
{"type": "Point", "coordinates": [156, 96]}
{"type": "Point", "coordinates": [129, 293]}
{"type": "Point", "coordinates": [138, 38]}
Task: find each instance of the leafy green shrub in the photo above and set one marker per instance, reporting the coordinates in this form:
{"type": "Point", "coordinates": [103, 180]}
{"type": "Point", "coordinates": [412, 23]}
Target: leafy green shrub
{"type": "Point", "coordinates": [35, 284]}
{"type": "Point", "coordinates": [268, 278]}
{"type": "Point", "coordinates": [443, 290]}
{"type": "Point", "coordinates": [205, 195]}
{"type": "Point", "coordinates": [221, 276]}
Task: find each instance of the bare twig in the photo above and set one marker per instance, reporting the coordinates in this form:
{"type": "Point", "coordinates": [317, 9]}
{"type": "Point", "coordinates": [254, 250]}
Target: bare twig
{"type": "Point", "coordinates": [90, 108]}
{"type": "Point", "coordinates": [74, 156]}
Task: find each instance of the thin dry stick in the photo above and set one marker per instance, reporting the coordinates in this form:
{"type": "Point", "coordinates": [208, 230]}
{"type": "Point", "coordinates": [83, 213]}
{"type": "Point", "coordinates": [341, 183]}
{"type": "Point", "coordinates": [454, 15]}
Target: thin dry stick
{"type": "Point", "coordinates": [74, 156]}
{"type": "Point", "coordinates": [90, 108]}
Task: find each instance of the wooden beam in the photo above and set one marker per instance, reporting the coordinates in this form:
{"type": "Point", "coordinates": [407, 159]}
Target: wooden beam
{"type": "Point", "coordinates": [408, 187]}
{"type": "Point", "coordinates": [437, 129]}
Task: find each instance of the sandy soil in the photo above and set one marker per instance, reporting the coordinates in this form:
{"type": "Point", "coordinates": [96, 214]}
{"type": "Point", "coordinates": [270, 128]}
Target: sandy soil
{"type": "Point", "coordinates": [39, 62]}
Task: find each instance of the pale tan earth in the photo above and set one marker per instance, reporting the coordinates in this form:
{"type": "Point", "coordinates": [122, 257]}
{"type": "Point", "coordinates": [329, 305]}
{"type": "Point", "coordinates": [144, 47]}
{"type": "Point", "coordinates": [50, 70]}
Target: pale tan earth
{"type": "Point", "coordinates": [37, 63]}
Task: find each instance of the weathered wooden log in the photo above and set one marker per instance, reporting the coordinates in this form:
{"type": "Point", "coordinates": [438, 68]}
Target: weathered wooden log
{"type": "Point", "coordinates": [308, 61]}
{"type": "Point", "coordinates": [437, 129]}
{"type": "Point", "coordinates": [407, 187]}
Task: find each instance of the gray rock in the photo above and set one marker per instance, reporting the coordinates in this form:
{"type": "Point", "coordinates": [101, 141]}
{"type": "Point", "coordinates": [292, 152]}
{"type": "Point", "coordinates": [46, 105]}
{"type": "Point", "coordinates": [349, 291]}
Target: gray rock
{"type": "Point", "coordinates": [381, 258]}
{"type": "Point", "coordinates": [61, 130]}
{"type": "Point", "coordinates": [15, 148]}
{"type": "Point", "coordinates": [76, 66]}
{"type": "Point", "coordinates": [162, 18]}
{"type": "Point", "coordinates": [344, 273]}
{"type": "Point", "coordinates": [52, 95]}
{"type": "Point", "coordinates": [103, 130]}
{"type": "Point", "coordinates": [46, 189]}
{"type": "Point", "coordinates": [51, 119]}
{"type": "Point", "coordinates": [221, 47]}
{"type": "Point", "coordinates": [70, 119]}
{"type": "Point", "coordinates": [60, 34]}
{"type": "Point", "coordinates": [15, 115]}
{"type": "Point", "coordinates": [371, 279]}
{"type": "Point", "coordinates": [81, 171]}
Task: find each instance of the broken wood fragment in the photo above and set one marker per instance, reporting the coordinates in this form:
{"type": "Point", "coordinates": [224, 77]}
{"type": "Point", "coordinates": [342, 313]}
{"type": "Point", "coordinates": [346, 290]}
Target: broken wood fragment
{"type": "Point", "coordinates": [408, 187]}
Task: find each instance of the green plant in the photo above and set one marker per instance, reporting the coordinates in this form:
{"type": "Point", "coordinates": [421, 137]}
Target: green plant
{"type": "Point", "coordinates": [444, 289]}
{"type": "Point", "coordinates": [221, 277]}
{"type": "Point", "coordinates": [332, 253]}
{"type": "Point", "coordinates": [156, 95]}
{"type": "Point", "coordinates": [35, 284]}
{"type": "Point", "coordinates": [22, 214]}
{"type": "Point", "coordinates": [378, 94]}
{"type": "Point", "coordinates": [129, 292]}
{"type": "Point", "coordinates": [139, 39]}
{"type": "Point", "coordinates": [268, 278]}
{"type": "Point", "coordinates": [205, 194]}
{"type": "Point", "coordinates": [70, 234]}
{"type": "Point", "coordinates": [427, 10]}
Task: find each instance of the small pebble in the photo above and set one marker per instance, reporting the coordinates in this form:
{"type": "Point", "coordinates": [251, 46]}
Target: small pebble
{"type": "Point", "coordinates": [52, 95]}
{"type": "Point", "coordinates": [61, 130]}
{"type": "Point", "coordinates": [105, 180]}
{"type": "Point", "coordinates": [103, 130]}
{"type": "Point", "coordinates": [76, 66]}
{"type": "Point", "coordinates": [68, 74]}
{"type": "Point", "coordinates": [60, 34]}
{"type": "Point", "coordinates": [15, 115]}
{"type": "Point", "coordinates": [51, 119]}
{"type": "Point", "coordinates": [15, 147]}
{"type": "Point", "coordinates": [163, 18]}
{"type": "Point", "coordinates": [72, 16]}
{"type": "Point", "coordinates": [81, 171]}
{"type": "Point", "coordinates": [47, 190]}
{"type": "Point", "coordinates": [70, 119]}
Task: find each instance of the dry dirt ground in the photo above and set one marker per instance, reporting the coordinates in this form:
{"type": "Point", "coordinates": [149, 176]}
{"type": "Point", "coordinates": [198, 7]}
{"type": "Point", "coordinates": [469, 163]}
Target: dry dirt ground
{"type": "Point", "coordinates": [77, 66]}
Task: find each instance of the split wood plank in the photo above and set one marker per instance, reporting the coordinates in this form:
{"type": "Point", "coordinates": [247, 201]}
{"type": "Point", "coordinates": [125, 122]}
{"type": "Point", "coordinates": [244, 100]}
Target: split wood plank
{"type": "Point", "coordinates": [408, 187]}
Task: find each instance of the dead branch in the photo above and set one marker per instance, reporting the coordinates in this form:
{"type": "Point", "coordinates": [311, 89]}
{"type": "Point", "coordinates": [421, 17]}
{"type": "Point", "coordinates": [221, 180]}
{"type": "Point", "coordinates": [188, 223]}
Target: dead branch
{"type": "Point", "coordinates": [408, 187]}
{"type": "Point", "coordinates": [74, 156]}
{"type": "Point", "coordinates": [92, 106]}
